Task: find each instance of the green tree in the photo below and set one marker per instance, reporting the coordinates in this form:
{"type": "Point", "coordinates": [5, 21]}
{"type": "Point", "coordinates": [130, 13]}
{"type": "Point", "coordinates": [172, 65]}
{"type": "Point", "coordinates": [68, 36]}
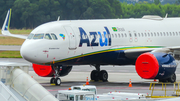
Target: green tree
{"type": "Point", "coordinates": [31, 13]}
{"type": "Point", "coordinates": [177, 2]}
{"type": "Point", "coordinates": [20, 14]}
{"type": "Point", "coordinates": [4, 6]}
{"type": "Point", "coordinates": [157, 2]}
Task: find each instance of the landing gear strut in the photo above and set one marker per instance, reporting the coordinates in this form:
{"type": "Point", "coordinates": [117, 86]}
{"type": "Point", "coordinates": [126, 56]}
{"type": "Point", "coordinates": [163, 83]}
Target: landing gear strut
{"type": "Point", "coordinates": [99, 75]}
{"type": "Point", "coordinates": [56, 80]}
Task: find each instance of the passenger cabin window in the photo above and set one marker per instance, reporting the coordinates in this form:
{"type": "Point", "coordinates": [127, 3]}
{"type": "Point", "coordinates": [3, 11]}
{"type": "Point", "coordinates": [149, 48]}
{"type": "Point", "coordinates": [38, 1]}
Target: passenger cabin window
{"type": "Point", "coordinates": [125, 35]}
{"type": "Point", "coordinates": [112, 36]}
{"type": "Point", "coordinates": [47, 36]}
{"type": "Point", "coordinates": [135, 34]}
{"type": "Point", "coordinates": [116, 35]}
{"type": "Point", "coordinates": [54, 36]}
{"type": "Point", "coordinates": [30, 36]}
{"type": "Point", "coordinates": [170, 34]}
{"type": "Point", "coordinates": [161, 33]}
{"type": "Point", "coordinates": [122, 35]}
{"type": "Point", "coordinates": [167, 33]}
{"type": "Point", "coordinates": [38, 36]}
{"type": "Point", "coordinates": [154, 34]}
{"type": "Point", "coordinates": [130, 35]}
{"type": "Point", "coordinates": [119, 35]}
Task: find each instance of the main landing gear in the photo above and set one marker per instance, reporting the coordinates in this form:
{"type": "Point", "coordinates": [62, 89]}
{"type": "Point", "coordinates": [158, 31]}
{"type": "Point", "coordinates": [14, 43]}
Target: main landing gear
{"type": "Point", "coordinates": [97, 75]}
{"type": "Point", "coordinates": [56, 80]}
{"type": "Point", "coordinates": [171, 79]}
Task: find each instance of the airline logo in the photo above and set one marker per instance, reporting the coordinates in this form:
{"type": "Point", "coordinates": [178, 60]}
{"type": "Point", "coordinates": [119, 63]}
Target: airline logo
{"type": "Point", "coordinates": [104, 38]}
{"type": "Point", "coordinates": [114, 29]}
{"type": "Point", "coordinates": [62, 35]}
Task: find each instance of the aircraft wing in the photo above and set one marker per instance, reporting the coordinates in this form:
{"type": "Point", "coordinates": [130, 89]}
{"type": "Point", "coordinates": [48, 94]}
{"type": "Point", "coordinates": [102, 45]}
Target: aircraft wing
{"type": "Point", "coordinates": [132, 52]}
{"type": "Point", "coordinates": [5, 28]}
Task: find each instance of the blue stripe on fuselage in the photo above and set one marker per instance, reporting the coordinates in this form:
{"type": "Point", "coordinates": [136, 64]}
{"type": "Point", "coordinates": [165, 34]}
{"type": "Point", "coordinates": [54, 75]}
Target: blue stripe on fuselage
{"type": "Point", "coordinates": [106, 58]}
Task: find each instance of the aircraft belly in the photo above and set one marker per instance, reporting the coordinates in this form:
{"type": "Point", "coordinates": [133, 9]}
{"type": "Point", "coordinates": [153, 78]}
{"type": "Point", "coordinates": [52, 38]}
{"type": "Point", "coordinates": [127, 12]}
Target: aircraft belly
{"type": "Point", "coordinates": [100, 57]}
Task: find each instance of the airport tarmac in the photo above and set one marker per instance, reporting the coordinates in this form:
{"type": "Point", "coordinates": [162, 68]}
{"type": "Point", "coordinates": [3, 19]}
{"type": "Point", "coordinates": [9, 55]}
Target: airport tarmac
{"type": "Point", "coordinates": [119, 77]}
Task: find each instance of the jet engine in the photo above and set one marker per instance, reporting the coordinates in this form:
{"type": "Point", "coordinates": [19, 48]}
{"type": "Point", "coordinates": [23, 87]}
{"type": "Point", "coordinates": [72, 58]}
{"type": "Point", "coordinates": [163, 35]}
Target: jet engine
{"type": "Point", "coordinates": [160, 66]}
{"type": "Point", "coordinates": [47, 71]}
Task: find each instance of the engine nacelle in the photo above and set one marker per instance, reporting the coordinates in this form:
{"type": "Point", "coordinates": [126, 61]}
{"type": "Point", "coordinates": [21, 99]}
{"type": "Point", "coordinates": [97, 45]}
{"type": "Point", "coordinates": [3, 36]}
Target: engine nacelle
{"type": "Point", "coordinates": [47, 71]}
{"type": "Point", "coordinates": [43, 70]}
{"type": "Point", "coordinates": [155, 65]}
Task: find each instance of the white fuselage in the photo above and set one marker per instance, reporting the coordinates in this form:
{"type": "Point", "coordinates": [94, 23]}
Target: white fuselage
{"type": "Point", "coordinates": [81, 38]}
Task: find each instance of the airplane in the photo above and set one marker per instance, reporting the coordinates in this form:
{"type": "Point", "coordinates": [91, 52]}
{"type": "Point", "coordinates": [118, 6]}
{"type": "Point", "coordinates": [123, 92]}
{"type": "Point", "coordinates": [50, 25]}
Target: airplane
{"type": "Point", "coordinates": [151, 43]}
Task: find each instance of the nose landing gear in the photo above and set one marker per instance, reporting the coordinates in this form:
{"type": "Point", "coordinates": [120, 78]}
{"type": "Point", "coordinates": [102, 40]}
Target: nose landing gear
{"type": "Point", "coordinates": [56, 80]}
{"type": "Point", "coordinates": [97, 75]}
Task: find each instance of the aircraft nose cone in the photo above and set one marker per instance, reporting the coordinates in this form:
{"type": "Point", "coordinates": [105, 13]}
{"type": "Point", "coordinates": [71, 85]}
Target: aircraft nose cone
{"type": "Point", "coordinates": [28, 53]}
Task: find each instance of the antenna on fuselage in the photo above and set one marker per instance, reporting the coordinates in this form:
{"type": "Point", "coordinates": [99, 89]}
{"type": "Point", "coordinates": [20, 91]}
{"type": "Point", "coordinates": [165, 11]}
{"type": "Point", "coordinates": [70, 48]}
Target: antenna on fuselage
{"type": "Point", "coordinates": [58, 18]}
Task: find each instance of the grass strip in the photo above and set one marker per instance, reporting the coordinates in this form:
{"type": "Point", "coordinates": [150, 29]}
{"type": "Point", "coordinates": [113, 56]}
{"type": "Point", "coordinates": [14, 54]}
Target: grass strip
{"type": "Point", "coordinates": [4, 40]}
{"type": "Point", "coordinates": [10, 54]}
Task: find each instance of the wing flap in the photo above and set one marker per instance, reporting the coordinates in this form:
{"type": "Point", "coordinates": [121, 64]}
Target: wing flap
{"type": "Point", "coordinates": [133, 52]}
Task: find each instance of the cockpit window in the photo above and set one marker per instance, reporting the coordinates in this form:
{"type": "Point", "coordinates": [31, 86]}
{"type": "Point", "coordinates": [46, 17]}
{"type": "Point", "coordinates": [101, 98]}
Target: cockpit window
{"type": "Point", "coordinates": [38, 36]}
{"type": "Point", "coordinates": [54, 36]}
{"type": "Point", "coordinates": [47, 36]}
{"type": "Point", "coordinates": [30, 36]}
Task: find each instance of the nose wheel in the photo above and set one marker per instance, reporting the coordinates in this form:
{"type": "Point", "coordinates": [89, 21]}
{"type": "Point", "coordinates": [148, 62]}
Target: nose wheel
{"type": "Point", "coordinates": [56, 81]}
{"type": "Point", "coordinates": [97, 75]}
{"type": "Point", "coordinates": [52, 80]}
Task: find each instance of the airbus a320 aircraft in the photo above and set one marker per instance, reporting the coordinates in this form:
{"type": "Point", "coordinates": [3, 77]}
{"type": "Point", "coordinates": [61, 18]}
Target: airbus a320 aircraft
{"type": "Point", "coordinates": [151, 43]}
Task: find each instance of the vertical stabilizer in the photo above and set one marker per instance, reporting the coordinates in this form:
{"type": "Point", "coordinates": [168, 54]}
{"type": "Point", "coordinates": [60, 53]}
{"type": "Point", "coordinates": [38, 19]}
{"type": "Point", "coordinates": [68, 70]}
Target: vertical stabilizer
{"type": "Point", "coordinates": [7, 21]}
{"type": "Point", "coordinates": [5, 28]}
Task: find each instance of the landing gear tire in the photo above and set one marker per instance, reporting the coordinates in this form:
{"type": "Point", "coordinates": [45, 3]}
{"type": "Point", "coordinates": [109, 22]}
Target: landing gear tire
{"type": "Point", "coordinates": [103, 75]}
{"type": "Point", "coordinates": [52, 80]}
{"type": "Point", "coordinates": [57, 81]}
{"type": "Point", "coordinates": [172, 79]}
{"type": "Point", "coordinates": [95, 75]}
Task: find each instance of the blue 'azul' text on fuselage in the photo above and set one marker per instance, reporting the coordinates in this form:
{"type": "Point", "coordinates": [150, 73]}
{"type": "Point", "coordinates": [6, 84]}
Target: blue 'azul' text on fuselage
{"type": "Point", "coordinates": [106, 35]}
